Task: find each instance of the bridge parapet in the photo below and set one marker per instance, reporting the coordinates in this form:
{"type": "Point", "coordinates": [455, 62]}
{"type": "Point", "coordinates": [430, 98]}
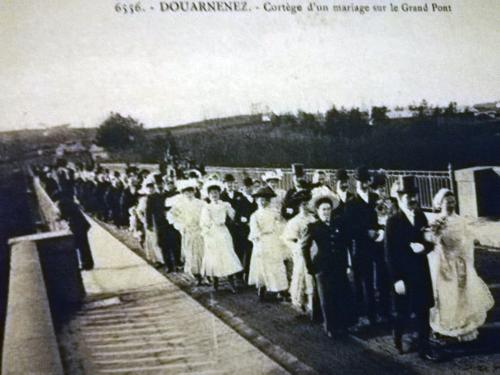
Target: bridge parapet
{"type": "Point", "coordinates": [48, 210]}
{"type": "Point", "coordinates": [30, 345]}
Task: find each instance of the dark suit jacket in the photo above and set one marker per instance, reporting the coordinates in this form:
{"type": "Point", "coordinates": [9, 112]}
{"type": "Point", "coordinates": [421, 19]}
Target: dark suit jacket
{"type": "Point", "coordinates": [403, 263]}
{"type": "Point", "coordinates": [341, 207]}
{"type": "Point", "coordinates": [72, 214]}
{"type": "Point", "coordinates": [331, 255]}
{"type": "Point", "coordinates": [155, 212]}
{"type": "Point", "coordinates": [288, 204]}
{"type": "Point", "coordinates": [360, 218]}
{"type": "Point", "coordinates": [234, 201]}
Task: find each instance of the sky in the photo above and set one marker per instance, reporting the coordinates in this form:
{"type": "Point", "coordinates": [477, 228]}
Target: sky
{"type": "Point", "coordinates": [69, 61]}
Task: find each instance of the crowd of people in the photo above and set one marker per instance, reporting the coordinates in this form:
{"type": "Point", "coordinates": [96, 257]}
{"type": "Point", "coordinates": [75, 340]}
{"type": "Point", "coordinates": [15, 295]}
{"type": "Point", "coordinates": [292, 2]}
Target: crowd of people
{"type": "Point", "coordinates": [347, 257]}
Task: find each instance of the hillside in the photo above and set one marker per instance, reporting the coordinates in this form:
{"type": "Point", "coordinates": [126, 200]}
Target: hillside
{"type": "Point", "coordinates": [418, 143]}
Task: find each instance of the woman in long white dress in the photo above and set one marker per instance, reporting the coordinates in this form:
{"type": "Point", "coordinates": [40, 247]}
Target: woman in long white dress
{"type": "Point", "coordinates": [267, 266]}
{"type": "Point", "coordinates": [185, 215]}
{"type": "Point", "coordinates": [219, 258]}
{"type": "Point", "coordinates": [462, 299]}
{"type": "Point", "coordinates": [302, 284]}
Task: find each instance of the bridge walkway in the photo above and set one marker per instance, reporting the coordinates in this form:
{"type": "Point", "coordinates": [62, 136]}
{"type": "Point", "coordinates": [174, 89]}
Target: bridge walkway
{"type": "Point", "coordinates": [137, 321]}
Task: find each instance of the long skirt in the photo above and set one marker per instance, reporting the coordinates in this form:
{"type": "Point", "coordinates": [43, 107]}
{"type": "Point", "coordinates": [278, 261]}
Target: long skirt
{"type": "Point", "coordinates": [220, 259]}
{"type": "Point", "coordinates": [151, 247]}
{"type": "Point", "coordinates": [302, 283]}
{"type": "Point", "coordinates": [192, 249]}
{"type": "Point", "coordinates": [267, 266]}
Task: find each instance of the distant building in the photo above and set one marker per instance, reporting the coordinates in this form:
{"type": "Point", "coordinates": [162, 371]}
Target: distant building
{"type": "Point", "coordinates": [98, 153]}
{"type": "Point", "coordinates": [69, 148]}
{"type": "Point", "coordinates": [487, 110]}
{"type": "Point", "coordinates": [400, 113]}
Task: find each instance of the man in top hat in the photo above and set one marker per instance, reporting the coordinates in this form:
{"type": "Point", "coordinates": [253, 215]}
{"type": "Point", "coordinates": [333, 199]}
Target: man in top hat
{"type": "Point", "coordinates": [289, 207]}
{"type": "Point", "coordinates": [406, 249]}
{"type": "Point", "coordinates": [383, 209]}
{"type": "Point", "coordinates": [362, 225]}
{"type": "Point", "coordinates": [342, 189]}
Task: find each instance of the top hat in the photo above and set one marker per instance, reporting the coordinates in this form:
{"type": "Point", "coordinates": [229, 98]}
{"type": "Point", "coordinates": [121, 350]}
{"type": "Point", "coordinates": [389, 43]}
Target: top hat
{"type": "Point", "coordinates": [362, 174]}
{"type": "Point", "coordinates": [264, 192]}
{"type": "Point", "coordinates": [298, 170]}
{"type": "Point", "coordinates": [408, 185]}
{"type": "Point", "coordinates": [341, 175]}
{"type": "Point", "coordinates": [247, 182]}
{"type": "Point", "coordinates": [378, 180]}
{"type": "Point", "coordinates": [229, 178]}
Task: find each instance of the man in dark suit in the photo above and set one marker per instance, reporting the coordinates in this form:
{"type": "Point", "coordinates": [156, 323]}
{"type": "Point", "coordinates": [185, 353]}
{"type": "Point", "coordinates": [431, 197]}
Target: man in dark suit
{"type": "Point", "coordinates": [406, 249]}
{"type": "Point", "coordinates": [362, 225]}
{"type": "Point", "coordinates": [156, 221]}
{"type": "Point", "coordinates": [246, 207]}
{"type": "Point", "coordinates": [342, 189]}
{"type": "Point", "coordinates": [234, 198]}
{"type": "Point", "coordinates": [79, 225]}
{"type": "Point", "coordinates": [288, 208]}
{"type": "Point", "coordinates": [329, 266]}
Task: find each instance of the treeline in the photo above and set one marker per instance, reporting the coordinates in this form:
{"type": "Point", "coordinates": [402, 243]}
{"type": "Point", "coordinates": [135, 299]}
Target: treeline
{"type": "Point", "coordinates": [430, 139]}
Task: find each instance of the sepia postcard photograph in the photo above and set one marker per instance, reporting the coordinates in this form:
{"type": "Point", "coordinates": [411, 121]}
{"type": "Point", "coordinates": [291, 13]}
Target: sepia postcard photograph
{"type": "Point", "coordinates": [250, 187]}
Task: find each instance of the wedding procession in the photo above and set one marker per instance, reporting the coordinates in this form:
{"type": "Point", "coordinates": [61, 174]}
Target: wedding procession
{"type": "Point", "coordinates": [347, 251]}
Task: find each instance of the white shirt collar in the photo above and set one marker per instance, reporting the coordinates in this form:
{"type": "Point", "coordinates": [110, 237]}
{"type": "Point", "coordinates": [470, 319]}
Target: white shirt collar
{"type": "Point", "coordinates": [409, 214]}
{"type": "Point", "coordinates": [342, 195]}
{"type": "Point", "coordinates": [363, 195]}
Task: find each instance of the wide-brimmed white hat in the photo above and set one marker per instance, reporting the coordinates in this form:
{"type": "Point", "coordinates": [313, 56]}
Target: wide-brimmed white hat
{"type": "Point", "coordinates": [272, 175]}
{"type": "Point", "coordinates": [186, 184]}
{"type": "Point", "coordinates": [332, 198]}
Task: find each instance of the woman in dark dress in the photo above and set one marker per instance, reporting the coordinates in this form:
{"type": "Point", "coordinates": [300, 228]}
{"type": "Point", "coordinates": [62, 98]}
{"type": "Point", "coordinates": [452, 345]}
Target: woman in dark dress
{"type": "Point", "coordinates": [329, 265]}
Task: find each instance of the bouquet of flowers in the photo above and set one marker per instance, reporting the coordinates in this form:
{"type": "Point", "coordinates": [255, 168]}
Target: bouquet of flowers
{"type": "Point", "coordinates": [438, 225]}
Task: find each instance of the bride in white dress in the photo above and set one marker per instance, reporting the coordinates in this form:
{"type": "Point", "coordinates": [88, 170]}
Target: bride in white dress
{"type": "Point", "coordinates": [219, 259]}
{"type": "Point", "coordinates": [462, 297]}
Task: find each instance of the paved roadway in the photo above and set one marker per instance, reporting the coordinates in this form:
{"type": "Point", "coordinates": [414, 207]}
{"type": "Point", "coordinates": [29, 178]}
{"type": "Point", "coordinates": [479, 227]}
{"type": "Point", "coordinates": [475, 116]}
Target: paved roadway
{"type": "Point", "coordinates": [137, 321]}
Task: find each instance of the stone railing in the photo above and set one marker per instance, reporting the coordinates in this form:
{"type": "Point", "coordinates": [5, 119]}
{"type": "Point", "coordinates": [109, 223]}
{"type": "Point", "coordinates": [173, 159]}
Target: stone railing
{"type": "Point", "coordinates": [428, 182]}
{"type": "Point", "coordinates": [30, 345]}
{"type": "Point", "coordinates": [48, 210]}
{"type": "Point", "coordinates": [45, 284]}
